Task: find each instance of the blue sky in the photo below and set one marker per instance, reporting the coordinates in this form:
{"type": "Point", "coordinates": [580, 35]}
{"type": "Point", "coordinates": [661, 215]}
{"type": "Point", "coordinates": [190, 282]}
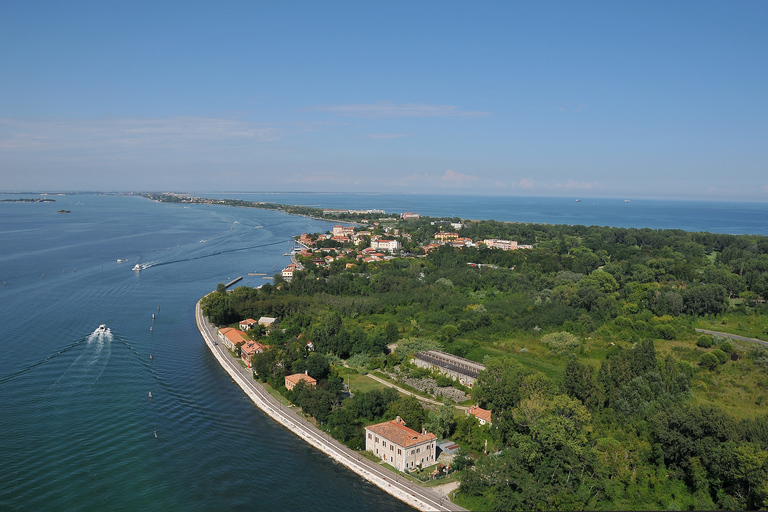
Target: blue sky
{"type": "Point", "coordinates": [582, 99]}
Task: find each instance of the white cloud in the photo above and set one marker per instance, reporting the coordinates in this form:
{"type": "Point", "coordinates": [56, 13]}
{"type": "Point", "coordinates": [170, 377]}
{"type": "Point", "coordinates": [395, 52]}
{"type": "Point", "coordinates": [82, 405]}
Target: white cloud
{"type": "Point", "coordinates": [386, 109]}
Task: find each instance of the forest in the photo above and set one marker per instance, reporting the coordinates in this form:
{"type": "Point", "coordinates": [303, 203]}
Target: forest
{"type": "Point", "coordinates": [603, 393]}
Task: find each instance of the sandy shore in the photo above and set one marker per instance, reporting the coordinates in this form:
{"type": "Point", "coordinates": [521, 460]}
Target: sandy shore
{"type": "Point", "coordinates": [412, 494]}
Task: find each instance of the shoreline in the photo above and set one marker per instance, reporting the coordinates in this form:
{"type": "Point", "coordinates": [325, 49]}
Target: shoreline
{"type": "Point", "coordinates": [391, 483]}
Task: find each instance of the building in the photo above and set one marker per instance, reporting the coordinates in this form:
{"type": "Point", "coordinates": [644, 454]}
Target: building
{"type": "Point", "coordinates": [249, 349]}
{"type": "Point", "coordinates": [442, 235]}
{"type": "Point", "coordinates": [483, 415]}
{"type": "Point", "coordinates": [267, 321]}
{"type": "Point", "coordinates": [386, 245]}
{"type": "Point", "coordinates": [292, 380]}
{"type": "Point", "coordinates": [401, 447]}
{"type": "Point", "coordinates": [246, 325]}
{"type": "Point", "coordinates": [505, 245]}
{"type": "Point", "coordinates": [288, 271]}
{"type": "Point", "coordinates": [343, 230]}
{"type": "Point", "coordinates": [455, 367]}
{"type": "Point", "coordinates": [231, 337]}
{"type": "Point", "coordinates": [410, 215]}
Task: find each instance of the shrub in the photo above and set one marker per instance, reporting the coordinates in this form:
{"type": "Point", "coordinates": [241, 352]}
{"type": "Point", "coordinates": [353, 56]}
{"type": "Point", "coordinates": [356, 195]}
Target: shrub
{"type": "Point", "coordinates": [704, 342]}
{"type": "Point", "coordinates": [665, 331]}
{"type": "Point", "coordinates": [721, 356]}
{"type": "Point", "coordinates": [727, 347]}
{"type": "Point", "coordinates": [559, 341]}
{"type": "Point", "coordinates": [708, 360]}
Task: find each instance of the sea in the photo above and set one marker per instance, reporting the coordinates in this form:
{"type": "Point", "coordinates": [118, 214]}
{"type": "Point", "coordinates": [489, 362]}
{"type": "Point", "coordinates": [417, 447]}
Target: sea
{"type": "Point", "coordinates": [79, 430]}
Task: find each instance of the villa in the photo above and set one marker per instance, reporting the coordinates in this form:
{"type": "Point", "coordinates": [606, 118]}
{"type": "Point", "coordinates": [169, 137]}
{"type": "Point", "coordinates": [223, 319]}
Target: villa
{"type": "Point", "coordinates": [401, 447]}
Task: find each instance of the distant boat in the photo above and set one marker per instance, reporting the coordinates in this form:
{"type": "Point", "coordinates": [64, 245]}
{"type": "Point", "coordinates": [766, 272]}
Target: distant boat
{"type": "Point", "coordinates": [626, 200]}
{"type": "Point", "coordinates": [102, 328]}
{"type": "Point", "coordinates": [578, 200]}
{"type": "Point", "coordinates": [137, 267]}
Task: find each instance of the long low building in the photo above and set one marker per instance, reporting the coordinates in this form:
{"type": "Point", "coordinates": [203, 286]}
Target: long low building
{"type": "Point", "coordinates": [455, 367]}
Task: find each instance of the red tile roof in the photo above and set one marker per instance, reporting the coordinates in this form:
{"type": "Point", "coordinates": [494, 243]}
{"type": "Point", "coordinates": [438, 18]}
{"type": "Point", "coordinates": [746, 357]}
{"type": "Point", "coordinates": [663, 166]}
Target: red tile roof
{"type": "Point", "coordinates": [396, 432]}
{"type": "Point", "coordinates": [479, 413]}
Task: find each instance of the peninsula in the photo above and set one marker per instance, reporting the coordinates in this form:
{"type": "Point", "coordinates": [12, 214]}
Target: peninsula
{"type": "Point", "coordinates": [563, 367]}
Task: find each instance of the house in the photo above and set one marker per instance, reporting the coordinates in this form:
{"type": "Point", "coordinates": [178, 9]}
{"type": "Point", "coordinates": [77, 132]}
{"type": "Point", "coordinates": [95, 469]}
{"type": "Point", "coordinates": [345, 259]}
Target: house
{"type": "Point", "coordinates": [288, 271]}
{"type": "Point", "coordinates": [245, 325]}
{"type": "Point", "coordinates": [410, 215]}
{"type": "Point", "coordinates": [249, 349]}
{"type": "Point", "coordinates": [505, 245]}
{"type": "Point", "coordinates": [386, 245]}
{"type": "Point", "coordinates": [442, 235]}
{"type": "Point", "coordinates": [343, 230]}
{"type": "Point", "coordinates": [267, 321]}
{"type": "Point", "coordinates": [292, 380]}
{"type": "Point", "coordinates": [401, 447]}
{"type": "Point", "coordinates": [231, 337]}
{"type": "Point", "coordinates": [483, 415]}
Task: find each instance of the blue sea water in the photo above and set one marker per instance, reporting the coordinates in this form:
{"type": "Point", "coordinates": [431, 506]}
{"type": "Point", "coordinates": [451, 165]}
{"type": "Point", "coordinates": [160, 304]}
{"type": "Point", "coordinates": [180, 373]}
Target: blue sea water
{"type": "Point", "coordinates": [715, 217]}
{"type": "Point", "coordinates": [77, 425]}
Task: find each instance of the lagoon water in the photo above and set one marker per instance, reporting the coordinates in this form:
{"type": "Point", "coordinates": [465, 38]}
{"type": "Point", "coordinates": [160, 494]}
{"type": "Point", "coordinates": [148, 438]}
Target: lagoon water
{"type": "Point", "coordinates": [77, 424]}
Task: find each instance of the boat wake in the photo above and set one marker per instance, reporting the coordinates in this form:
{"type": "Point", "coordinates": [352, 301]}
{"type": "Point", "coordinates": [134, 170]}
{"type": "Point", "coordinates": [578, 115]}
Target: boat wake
{"type": "Point", "coordinates": [94, 357]}
{"type": "Point", "coordinates": [98, 338]}
{"type": "Point", "coordinates": [143, 266]}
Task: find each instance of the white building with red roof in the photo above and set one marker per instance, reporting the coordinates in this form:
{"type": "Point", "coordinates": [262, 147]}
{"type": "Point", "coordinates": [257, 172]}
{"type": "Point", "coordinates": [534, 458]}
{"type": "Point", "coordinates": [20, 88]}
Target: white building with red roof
{"type": "Point", "coordinates": [401, 447]}
{"type": "Point", "coordinates": [482, 415]}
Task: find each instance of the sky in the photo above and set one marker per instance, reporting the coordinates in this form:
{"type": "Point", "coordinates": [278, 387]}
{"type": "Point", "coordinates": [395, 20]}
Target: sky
{"type": "Point", "coordinates": [623, 99]}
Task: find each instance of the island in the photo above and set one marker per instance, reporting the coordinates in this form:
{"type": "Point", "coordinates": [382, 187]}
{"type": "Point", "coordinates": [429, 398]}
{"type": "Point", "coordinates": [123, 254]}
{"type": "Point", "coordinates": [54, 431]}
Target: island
{"type": "Point", "coordinates": [553, 367]}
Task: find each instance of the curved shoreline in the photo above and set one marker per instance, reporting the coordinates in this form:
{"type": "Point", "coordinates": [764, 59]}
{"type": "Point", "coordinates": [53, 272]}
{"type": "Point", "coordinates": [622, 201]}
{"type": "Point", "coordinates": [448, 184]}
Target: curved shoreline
{"type": "Point", "coordinates": [414, 495]}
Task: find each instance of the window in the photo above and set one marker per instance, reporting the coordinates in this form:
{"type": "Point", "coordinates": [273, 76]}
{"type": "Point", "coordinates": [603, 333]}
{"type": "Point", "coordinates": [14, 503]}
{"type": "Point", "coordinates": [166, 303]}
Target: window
{"type": "Point", "coordinates": [391, 447]}
{"type": "Point", "coordinates": [369, 435]}
{"type": "Point", "coordinates": [377, 439]}
{"type": "Point", "coordinates": [384, 444]}
{"type": "Point", "coordinates": [417, 450]}
{"type": "Point", "coordinates": [398, 451]}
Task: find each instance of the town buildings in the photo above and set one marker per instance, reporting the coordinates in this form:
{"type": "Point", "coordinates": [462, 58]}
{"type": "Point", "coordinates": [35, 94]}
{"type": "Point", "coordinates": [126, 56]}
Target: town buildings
{"type": "Point", "coordinates": [400, 446]}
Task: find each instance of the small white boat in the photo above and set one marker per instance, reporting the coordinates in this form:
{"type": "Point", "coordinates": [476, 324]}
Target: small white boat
{"type": "Point", "coordinates": [102, 328]}
{"type": "Point", "coordinates": [137, 267]}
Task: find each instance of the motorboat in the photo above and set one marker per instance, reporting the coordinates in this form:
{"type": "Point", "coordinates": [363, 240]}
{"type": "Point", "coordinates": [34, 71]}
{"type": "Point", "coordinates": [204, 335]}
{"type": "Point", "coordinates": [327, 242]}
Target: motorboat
{"type": "Point", "coordinates": [137, 267]}
{"type": "Point", "coordinates": [102, 328]}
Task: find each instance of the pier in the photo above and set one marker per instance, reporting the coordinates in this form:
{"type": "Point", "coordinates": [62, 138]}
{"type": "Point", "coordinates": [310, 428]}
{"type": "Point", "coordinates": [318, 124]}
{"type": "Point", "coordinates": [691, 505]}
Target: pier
{"type": "Point", "coordinates": [235, 280]}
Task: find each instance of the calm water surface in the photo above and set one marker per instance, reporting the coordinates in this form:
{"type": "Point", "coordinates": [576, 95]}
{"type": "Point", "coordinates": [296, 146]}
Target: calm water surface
{"type": "Point", "coordinates": [77, 425]}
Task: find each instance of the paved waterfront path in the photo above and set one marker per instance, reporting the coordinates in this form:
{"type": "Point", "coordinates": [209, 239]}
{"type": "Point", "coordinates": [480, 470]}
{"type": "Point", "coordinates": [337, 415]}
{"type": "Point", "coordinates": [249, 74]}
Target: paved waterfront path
{"type": "Point", "coordinates": [412, 494]}
{"type": "Point", "coordinates": [733, 336]}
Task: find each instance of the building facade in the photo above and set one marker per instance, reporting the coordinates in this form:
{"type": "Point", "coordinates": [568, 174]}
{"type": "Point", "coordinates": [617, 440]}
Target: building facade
{"type": "Point", "coordinates": [455, 367]}
{"type": "Point", "coordinates": [401, 447]}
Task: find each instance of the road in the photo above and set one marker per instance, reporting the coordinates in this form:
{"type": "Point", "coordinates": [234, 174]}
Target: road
{"type": "Point", "coordinates": [410, 493]}
{"type": "Point", "coordinates": [733, 336]}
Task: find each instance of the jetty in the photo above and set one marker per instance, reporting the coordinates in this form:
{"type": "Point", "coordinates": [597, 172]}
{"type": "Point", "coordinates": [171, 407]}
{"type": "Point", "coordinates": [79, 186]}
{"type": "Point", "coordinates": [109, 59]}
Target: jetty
{"type": "Point", "coordinates": [414, 495]}
{"type": "Point", "coordinates": [235, 280]}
